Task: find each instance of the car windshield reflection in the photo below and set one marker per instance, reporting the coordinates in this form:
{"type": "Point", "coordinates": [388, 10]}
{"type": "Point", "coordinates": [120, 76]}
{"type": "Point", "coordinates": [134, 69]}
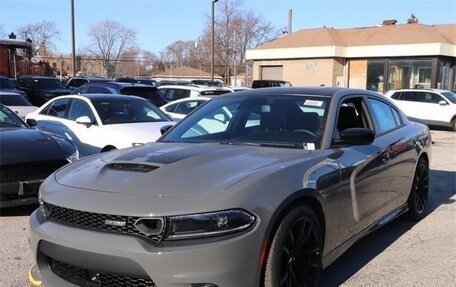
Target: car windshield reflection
{"type": "Point", "coordinates": [273, 121]}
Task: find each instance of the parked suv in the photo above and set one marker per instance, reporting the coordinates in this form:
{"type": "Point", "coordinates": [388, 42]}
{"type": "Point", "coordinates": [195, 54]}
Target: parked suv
{"type": "Point", "coordinates": [41, 89]}
{"type": "Point", "coordinates": [270, 83]}
{"type": "Point", "coordinates": [144, 91]}
{"type": "Point", "coordinates": [435, 107]}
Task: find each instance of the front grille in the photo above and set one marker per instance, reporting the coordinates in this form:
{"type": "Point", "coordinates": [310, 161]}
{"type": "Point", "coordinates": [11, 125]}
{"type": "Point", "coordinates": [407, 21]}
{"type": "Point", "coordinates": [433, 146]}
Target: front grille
{"type": "Point", "coordinates": [29, 171]}
{"type": "Point", "coordinates": [87, 278]}
{"type": "Point", "coordinates": [98, 221]}
{"type": "Point", "coordinates": [133, 166]}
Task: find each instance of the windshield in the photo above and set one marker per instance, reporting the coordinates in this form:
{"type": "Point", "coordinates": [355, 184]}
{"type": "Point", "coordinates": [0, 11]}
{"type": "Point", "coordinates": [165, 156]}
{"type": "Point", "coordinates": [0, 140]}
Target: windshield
{"type": "Point", "coordinates": [5, 83]}
{"type": "Point", "coordinates": [13, 100]}
{"type": "Point", "coordinates": [274, 121]}
{"type": "Point", "coordinates": [46, 84]}
{"type": "Point", "coordinates": [450, 96]}
{"type": "Point", "coordinates": [127, 110]}
{"type": "Point", "coordinates": [9, 120]}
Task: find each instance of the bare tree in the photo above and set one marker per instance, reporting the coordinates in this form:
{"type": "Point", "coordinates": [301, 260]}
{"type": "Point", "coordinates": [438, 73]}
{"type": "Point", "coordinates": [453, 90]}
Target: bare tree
{"type": "Point", "coordinates": [109, 40]}
{"type": "Point", "coordinates": [42, 35]}
{"type": "Point", "coordinates": [237, 30]}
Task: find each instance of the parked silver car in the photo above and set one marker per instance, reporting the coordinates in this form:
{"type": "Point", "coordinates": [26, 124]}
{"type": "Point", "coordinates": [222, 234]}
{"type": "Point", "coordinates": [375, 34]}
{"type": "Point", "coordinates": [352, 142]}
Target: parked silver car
{"type": "Point", "coordinates": [289, 180]}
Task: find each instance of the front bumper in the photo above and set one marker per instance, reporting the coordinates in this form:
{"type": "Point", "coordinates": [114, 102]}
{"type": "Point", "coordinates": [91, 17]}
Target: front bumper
{"type": "Point", "coordinates": [228, 262]}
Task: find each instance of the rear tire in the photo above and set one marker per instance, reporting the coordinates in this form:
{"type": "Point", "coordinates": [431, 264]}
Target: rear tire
{"type": "Point", "coordinates": [295, 255]}
{"type": "Point", "coordinates": [453, 125]}
{"type": "Point", "coordinates": [418, 197]}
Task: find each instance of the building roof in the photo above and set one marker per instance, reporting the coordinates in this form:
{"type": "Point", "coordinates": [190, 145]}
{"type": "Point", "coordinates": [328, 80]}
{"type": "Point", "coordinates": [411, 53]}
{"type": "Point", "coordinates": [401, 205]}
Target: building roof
{"type": "Point", "coordinates": [185, 72]}
{"type": "Point", "coordinates": [381, 35]}
{"type": "Point", "coordinates": [387, 40]}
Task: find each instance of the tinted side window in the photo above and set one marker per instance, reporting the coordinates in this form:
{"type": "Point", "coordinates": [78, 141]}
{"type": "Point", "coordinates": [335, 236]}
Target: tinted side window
{"type": "Point", "coordinates": [175, 94]}
{"type": "Point", "coordinates": [432, 98]}
{"type": "Point", "coordinates": [59, 108]}
{"type": "Point", "coordinates": [382, 116]}
{"type": "Point", "coordinates": [98, 90]}
{"type": "Point", "coordinates": [397, 96]}
{"type": "Point", "coordinates": [171, 108]}
{"type": "Point", "coordinates": [79, 109]}
{"type": "Point", "coordinates": [413, 96]}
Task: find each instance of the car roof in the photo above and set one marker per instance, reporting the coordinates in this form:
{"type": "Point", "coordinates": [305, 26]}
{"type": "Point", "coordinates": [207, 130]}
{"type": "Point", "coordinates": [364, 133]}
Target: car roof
{"type": "Point", "coordinates": [118, 84]}
{"type": "Point", "coordinates": [420, 90]}
{"type": "Point", "coordinates": [98, 97]}
{"type": "Point", "coordinates": [330, 92]}
{"type": "Point", "coordinates": [190, 99]}
{"type": "Point", "coordinates": [38, 77]}
{"type": "Point", "coordinates": [194, 88]}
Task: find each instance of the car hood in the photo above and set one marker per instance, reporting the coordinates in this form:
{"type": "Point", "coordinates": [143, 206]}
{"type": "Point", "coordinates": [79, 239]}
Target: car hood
{"type": "Point", "coordinates": [58, 92]}
{"type": "Point", "coordinates": [139, 132]}
{"type": "Point", "coordinates": [174, 169]}
{"type": "Point", "coordinates": [20, 145]}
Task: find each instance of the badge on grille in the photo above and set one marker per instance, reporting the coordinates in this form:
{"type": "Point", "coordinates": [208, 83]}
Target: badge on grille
{"type": "Point", "coordinates": [115, 223]}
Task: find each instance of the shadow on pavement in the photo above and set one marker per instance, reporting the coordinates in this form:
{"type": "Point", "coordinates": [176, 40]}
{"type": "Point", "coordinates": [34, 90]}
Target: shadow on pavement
{"type": "Point", "coordinates": [443, 187]}
{"type": "Point", "coordinates": [25, 210]}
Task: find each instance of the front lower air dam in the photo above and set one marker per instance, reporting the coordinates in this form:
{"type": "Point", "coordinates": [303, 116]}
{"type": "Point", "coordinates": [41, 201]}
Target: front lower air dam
{"type": "Point", "coordinates": [35, 277]}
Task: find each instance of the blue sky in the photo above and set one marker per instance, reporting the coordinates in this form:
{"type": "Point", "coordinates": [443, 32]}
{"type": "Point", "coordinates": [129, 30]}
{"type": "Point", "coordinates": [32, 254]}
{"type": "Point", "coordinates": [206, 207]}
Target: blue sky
{"type": "Point", "coordinates": [161, 22]}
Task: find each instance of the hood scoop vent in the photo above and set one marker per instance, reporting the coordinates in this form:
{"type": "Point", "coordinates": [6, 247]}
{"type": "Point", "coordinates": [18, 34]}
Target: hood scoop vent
{"type": "Point", "coordinates": [139, 167]}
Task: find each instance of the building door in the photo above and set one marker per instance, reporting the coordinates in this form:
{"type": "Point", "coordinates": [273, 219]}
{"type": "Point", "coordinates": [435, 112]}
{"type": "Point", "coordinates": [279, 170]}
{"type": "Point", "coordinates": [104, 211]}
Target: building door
{"type": "Point", "coordinates": [271, 72]}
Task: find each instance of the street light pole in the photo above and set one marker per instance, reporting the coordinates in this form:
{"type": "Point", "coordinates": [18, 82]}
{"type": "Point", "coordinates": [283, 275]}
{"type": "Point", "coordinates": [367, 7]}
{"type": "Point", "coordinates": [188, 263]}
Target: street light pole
{"type": "Point", "coordinates": [73, 38]}
{"type": "Point", "coordinates": [213, 39]}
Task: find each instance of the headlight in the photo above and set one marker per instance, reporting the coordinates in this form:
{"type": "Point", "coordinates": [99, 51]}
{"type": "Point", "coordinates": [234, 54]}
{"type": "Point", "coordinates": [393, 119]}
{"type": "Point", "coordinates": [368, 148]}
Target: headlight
{"type": "Point", "coordinates": [74, 157]}
{"type": "Point", "coordinates": [208, 224]}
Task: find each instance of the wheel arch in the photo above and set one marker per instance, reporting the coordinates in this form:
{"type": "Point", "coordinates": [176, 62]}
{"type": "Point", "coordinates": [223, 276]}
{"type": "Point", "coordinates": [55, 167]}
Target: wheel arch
{"type": "Point", "coordinates": [308, 197]}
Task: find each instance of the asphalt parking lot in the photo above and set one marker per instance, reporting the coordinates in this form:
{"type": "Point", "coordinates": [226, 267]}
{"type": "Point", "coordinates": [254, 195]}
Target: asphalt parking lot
{"type": "Point", "coordinates": [403, 253]}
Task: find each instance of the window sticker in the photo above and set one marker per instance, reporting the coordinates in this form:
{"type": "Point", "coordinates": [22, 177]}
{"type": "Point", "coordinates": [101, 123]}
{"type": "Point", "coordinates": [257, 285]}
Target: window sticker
{"type": "Point", "coordinates": [313, 103]}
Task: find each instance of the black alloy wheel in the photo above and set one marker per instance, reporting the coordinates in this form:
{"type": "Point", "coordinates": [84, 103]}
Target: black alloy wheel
{"type": "Point", "coordinates": [418, 198]}
{"type": "Point", "coordinates": [294, 259]}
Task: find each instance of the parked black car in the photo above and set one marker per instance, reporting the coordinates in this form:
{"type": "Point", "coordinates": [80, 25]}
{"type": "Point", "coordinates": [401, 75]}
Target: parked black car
{"type": "Point", "coordinates": [144, 91]}
{"type": "Point", "coordinates": [7, 85]}
{"type": "Point", "coordinates": [138, 80]}
{"type": "Point", "coordinates": [41, 89]}
{"type": "Point", "coordinates": [270, 83]}
{"type": "Point", "coordinates": [76, 82]}
{"type": "Point", "coordinates": [27, 157]}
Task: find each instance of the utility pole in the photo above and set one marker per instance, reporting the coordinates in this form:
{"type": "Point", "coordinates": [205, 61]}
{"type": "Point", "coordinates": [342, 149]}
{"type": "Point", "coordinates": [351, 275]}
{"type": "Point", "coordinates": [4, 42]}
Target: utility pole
{"type": "Point", "coordinates": [213, 39]}
{"type": "Point", "coordinates": [73, 38]}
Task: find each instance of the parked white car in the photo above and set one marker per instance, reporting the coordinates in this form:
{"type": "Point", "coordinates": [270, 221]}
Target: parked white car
{"type": "Point", "coordinates": [179, 109]}
{"type": "Point", "coordinates": [435, 107]}
{"type": "Point", "coordinates": [175, 92]}
{"type": "Point", "coordinates": [101, 122]}
{"type": "Point", "coordinates": [17, 103]}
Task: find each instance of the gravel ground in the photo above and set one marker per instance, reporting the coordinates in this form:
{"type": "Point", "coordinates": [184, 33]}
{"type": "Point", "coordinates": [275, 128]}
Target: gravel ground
{"type": "Point", "coordinates": [403, 253]}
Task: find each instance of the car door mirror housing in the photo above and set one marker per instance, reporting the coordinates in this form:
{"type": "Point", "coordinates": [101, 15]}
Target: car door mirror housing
{"type": "Point", "coordinates": [357, 136]}
{"type": "Point", "coordinates": [164, 129]}
{"type": "Point", "coordinates": [443, 103]}
{"type": "Point", "coordinates": [31, 123]}
{"type": "Point", "coordinates": [84, 120]}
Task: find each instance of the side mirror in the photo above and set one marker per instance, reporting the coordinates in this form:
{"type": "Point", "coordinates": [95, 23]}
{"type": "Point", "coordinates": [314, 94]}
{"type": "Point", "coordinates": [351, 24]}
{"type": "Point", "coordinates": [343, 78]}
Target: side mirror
{"type": "Point", "coordinates": [357, 136]}
{"type": "Point", "coordinates": [31, 123]}
{"type": "Point", "coordinates": [443, 103]}
{"type": "Point", "coordinates": [84, 120]}
{"type": "Point", "coordinates": [164, 129]}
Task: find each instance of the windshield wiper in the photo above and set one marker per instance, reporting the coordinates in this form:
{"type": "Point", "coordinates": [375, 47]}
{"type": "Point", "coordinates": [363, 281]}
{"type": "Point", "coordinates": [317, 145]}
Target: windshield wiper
{"type": "Point", "coordinates": [264, 144]}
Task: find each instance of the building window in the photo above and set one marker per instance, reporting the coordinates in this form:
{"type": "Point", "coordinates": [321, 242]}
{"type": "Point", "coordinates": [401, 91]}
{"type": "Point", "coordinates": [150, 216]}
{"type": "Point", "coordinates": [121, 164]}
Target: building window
{"type": "Point", "coordinates": [409, 74]}
{"type": "Point", "coordinates": [443, 81]}
{"type": "Point", "coordinates": [375, 70]}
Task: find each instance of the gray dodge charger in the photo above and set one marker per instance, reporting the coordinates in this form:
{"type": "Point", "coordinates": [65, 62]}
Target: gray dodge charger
{"type": "Point", "coordinates": [264, 187]}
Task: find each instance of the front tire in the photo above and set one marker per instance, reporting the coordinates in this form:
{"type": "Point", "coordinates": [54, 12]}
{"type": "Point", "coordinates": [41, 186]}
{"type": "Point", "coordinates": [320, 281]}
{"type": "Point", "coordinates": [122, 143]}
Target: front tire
{"type": "Point", "coordinates": [294, 258]}
{"type": "Point", "coordinates": [418, 197]}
